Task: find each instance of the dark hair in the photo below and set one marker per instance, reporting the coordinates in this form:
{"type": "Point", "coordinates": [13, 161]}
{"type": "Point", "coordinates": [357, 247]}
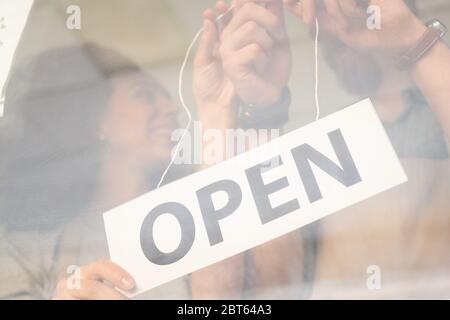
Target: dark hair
{"type": "Point", "coordinates": [50, 154]}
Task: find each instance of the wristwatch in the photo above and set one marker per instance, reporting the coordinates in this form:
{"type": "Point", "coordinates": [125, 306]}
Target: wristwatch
{"type": "Point", "coordinates": [435, 32]}
{"type": "Point", "coordinates": [272, 117]}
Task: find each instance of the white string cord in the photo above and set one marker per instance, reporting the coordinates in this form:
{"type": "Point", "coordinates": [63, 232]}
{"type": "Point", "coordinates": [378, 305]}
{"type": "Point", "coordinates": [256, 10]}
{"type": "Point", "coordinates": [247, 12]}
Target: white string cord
{"type": "Point", "coordinates": [186, 109]}
{"type": "Point", "coordinates": [180, 95]}
{"type": "Point", "coordinates": [189, 115]}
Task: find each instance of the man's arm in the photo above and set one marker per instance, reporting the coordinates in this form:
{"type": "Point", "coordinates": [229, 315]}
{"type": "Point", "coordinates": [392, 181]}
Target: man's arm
{"type": "Point", "coordinates": [217, 110]}
{"type": "Point", "coordinates": [432, 76]}
{"type": "Point", "coordinates": [401, 30]}
{"type": "Point", "coordinates": [254, 35]}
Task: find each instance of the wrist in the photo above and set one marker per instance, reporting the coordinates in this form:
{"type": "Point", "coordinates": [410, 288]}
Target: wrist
{"type": "Point", "coordinates": [274, 116]}
{"type": "Point", "coordinates": [435, 54]}
{"type": "Point", "coordinates": [413, 33]}
{"type": "Point", "coordinates": [218, 116]}
{"type": "Point", "coordinates": [264, 99]}
{"type": "Point", "coordinates": [432, 33]}
{"type": "Point", "coordinates": [215, 122]}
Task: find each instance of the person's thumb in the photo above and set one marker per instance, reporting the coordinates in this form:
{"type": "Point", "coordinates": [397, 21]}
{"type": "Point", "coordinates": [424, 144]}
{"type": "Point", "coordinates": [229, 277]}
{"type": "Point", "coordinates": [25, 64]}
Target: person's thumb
{"type": "Point", "coordinates": [207, 43]}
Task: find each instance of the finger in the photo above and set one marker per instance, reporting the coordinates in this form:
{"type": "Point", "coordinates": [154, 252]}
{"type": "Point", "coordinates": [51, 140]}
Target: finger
{"type": "Point", "coordinates": [329, 24]}
{"type": "Point", "coordinates": [362, 38]}
{"type": "Point", "coordinates": [353, 8]}
{"type": "Point", "coordinates": [61, 291]}
{"type": "Point", "coordinates": [276, 7]}
{"type": "Point", "coordinates": [224, 14]}
{"type": "Point", "coordinates": [250, 33]}
{"type": "Point", "coordinates": [207, 43]}
{"type": "Point", "coordinates": [95, 290]}
{"type": "Point", "coordinates": [238, 4]}
{"type": "Point", "coordinates": [355, 13]}
{"type": "Point", "coordinates": [64, 296]}
{"type": "Point", "coordinates": [260, 15]}
{"type": "Point", "coordinates": [108, 271]}
{"type": "Point", "coordinates": [294, 6]}
{"type": "Point", "coordinates": [252, 55]}
{"type": "Point", "coordinates": [335, 12]}
{"type": "Point", "coordinates": [309, 11]}
{"type": "Point", "coordinates": [208, 14]}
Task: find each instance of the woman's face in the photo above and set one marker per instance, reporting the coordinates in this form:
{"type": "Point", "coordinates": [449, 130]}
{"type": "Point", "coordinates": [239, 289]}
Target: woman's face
{"type": "Point", "coordinates": [140, 119]}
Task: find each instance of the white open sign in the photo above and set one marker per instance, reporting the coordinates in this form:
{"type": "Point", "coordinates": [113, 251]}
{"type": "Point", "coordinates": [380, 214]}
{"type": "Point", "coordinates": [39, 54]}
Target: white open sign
{"type": "Point", "coordinates": [239, 204]}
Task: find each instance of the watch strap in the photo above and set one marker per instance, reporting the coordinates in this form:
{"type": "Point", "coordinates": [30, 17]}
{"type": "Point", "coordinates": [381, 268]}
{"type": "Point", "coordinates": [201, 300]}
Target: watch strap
{"type": "Point", "coordinates": [432, 35]}
{"type": "Point", "coordinates": [271, 117]}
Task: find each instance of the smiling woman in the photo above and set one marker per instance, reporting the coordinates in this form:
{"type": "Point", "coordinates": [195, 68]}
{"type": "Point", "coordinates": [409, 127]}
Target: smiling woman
{"type": "Point", "coordinates": [76, 100]}
{"type": "Point", "coordinates": [88, 129]}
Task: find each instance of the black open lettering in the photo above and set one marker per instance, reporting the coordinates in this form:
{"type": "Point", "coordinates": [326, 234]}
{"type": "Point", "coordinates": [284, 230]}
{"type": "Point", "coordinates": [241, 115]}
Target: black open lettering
{"type": "Point", "coordinates": [262, 191]}
{"type": "Point", "coordinates": [211, 215]}
{"type": "Point", "coordinates": [184, 217]}
{"type": "Point", "coordinates": [348, 175]}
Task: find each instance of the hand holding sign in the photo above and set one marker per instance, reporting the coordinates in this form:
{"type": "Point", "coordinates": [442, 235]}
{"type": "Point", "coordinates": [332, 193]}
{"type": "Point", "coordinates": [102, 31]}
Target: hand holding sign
{"type": "Point", "coordinates": [97, 281]}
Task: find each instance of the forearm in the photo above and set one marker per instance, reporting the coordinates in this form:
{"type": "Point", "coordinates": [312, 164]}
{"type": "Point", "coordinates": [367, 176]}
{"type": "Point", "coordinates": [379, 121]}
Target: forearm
{"type": "Point", "coordinates": [432, 76]}
{"type": "Point", "coordinates": [276, 268]}
{"type": "Point", "coordinates": [223, 280]}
